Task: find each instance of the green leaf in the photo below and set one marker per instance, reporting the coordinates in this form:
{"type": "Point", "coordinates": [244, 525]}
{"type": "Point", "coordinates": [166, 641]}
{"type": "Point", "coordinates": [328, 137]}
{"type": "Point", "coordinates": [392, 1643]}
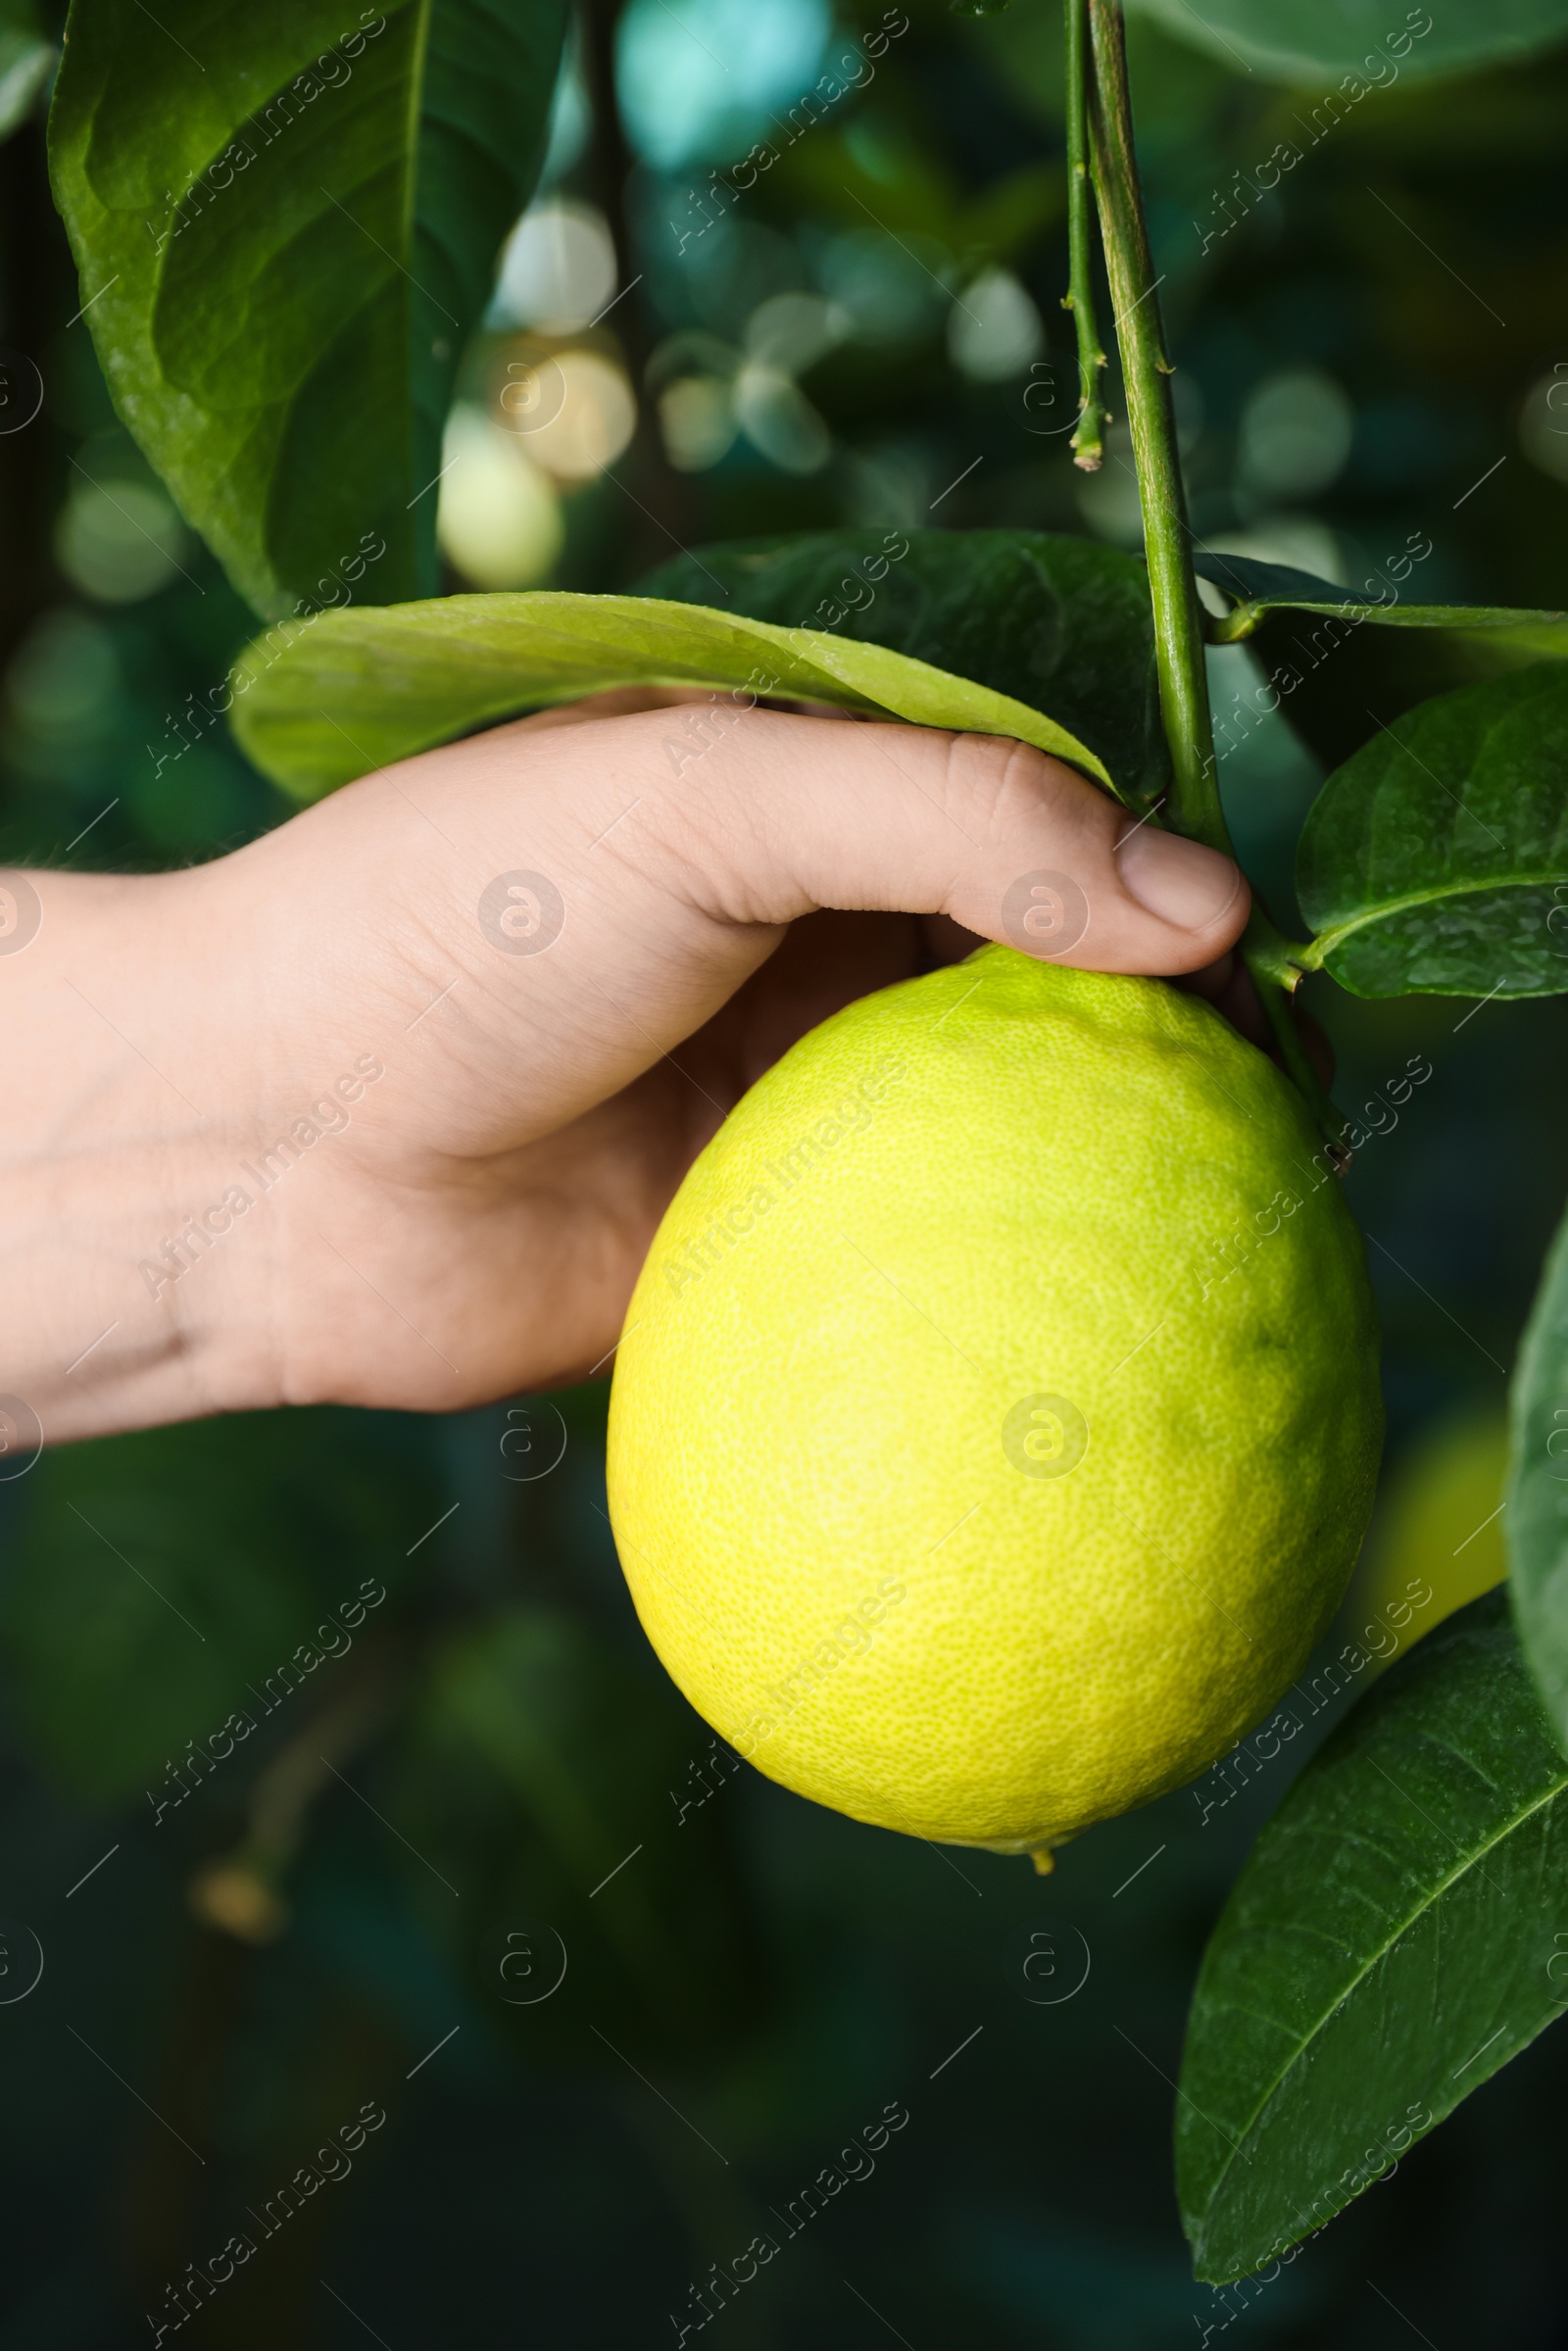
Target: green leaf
{"type": "Point", "coordinates": [1391, 1942]}
{"type": "Point", "coordinates": [1521, 638]}
{"type": "Point", "coordinates": [1536, 1517]}
{"type": "Point", "coordinates": [1259, 589]}
{"type": "Point", "coordinates": [1434, 859]}
{"type": "Point", "coordinates": [285, 227]}
{"type": "Point", "coordinates": [1061, 625]}
{"type": "Point", "coordinates": [321, 702]}
{"type": "Point", "coordinates": [151, 1578]}
{"type": "Point", "coordinates": [1318, 41]}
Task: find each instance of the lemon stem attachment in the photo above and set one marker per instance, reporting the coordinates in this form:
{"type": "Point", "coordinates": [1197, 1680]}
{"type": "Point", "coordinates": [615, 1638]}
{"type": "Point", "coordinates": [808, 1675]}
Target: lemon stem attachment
{"type": "Point", "coordinates": [1100, 82]}
{"type": "Point", "coordinates": [1044, 1859]}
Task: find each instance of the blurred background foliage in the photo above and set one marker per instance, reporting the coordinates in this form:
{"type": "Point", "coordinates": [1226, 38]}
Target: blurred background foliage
{"type": "Point", "coordinates": [370, 1892]}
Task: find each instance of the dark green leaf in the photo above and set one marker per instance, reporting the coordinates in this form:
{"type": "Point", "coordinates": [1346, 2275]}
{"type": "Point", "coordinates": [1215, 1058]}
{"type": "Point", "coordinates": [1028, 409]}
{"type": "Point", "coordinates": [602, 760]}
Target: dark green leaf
{"type": "Point", "coordinates": [286, 226]}
{"type": "Point", "coordinates": [1263, 588]}
{"type": "Point", "coordinates": [1436, 859]}
{"type": "Point", "coordinates": [1392, 1939]}
{"type": "Point", "coordinates": [319, 701]}
{"type": "Point", "coordinates": [1535, 1520]}
{"type": "Point", "coordinates": [1319, 41]}
{"type": "Point", "coordinates": [151, 1578]}
{"type": "Point", "coordinates": [1061, 625]}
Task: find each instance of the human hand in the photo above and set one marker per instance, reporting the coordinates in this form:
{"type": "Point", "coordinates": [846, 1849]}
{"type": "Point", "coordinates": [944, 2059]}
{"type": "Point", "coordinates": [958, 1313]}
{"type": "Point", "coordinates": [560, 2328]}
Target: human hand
{"type": "Point", "coordinates": [407, 1122]}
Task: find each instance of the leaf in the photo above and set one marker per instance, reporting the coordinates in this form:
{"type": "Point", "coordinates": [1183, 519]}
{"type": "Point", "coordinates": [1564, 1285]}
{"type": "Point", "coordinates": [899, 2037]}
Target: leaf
{"type": "Point", "coordinates": [1536, 1516]}
{"type": "Point", "coordinates": [1436, 859]}
{"type": "Point", "coordinates": [1388, 1946]}
{"type": "Point", "coordinates": [152, 1577]}
{"type": "Point", "coordinates": [1319, 41]}
{"type": "Point", "coordinates": [321, 702]}
{"type": "Point", "coordinates": [285, 229]}
{"type": "Point", "coordinates": [1061, 625]}
{"type": "Point", "coordinates": [1263, 588]}
{"type": "Point", "coordinates": [1523, 638]}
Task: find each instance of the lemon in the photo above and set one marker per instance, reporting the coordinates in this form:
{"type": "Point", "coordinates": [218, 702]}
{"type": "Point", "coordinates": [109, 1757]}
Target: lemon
{"type": "Point", "coordinates": [1437, 1542]}
{"type": "Point", "coordinates": [995, 1420]}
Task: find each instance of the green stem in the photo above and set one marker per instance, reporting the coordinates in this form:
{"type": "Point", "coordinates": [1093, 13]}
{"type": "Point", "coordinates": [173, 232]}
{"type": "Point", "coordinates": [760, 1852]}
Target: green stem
{"type": "Point", "coordinates": [1193, 806]}
{"type": "Point", "coordinates": [1271, 956]}
{"type": "Point", "coordinates": [1297, 1061]}
{"type": "Point", "coordinates": [1241, 622]}
{"type": "Point", "coordinates": [1088, 444]}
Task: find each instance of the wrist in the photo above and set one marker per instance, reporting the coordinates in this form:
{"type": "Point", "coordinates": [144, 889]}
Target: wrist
{"type": "Point", "coordinates": [131, 1075]}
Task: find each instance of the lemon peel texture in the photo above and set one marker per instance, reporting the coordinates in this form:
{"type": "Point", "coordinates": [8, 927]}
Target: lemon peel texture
{"type": "Point", "coordinates": [997, 1418]}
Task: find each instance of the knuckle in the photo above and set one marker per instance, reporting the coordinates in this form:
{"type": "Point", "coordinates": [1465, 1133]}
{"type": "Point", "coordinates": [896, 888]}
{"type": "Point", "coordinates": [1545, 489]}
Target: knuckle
{"type": "Point", "coordinates": [1013, 784]}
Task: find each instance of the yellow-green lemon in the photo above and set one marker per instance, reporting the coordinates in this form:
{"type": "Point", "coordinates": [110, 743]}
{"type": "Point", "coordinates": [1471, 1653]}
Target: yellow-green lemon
{"type": "Point", "coordinates": [997, 1417]}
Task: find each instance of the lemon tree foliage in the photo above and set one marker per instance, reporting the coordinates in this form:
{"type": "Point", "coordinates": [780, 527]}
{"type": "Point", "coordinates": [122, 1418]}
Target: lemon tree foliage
{"type": "Point", "coordinates": [319, 701]}
{"type": "Point", "coordinates": [1437, 858]}
{"type": "Point", "coordinates": [1393, 1940]}
{"type": "Point", "coordinates": [1317, 42]}
{"type": "Point", "coordinates": [286, 220]}
{"type": "Point", "coordinates": [1536, 1519]}
{"type": "Point", "coordinates": [1060, 624]}
{"type": "Point", "coordinates": [1259, 588]}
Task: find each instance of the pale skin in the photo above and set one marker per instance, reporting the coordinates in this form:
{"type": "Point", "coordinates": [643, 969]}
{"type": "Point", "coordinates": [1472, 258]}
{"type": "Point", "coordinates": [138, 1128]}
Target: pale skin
{"type": "Point", "coordinates": [468, 1223]}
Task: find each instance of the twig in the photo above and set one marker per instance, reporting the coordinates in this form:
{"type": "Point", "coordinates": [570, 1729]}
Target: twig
{"type": "Point", "coordinates": [1147, 371]}
{"type": "Point", "coordinates": [1087, 441]}
{"type": "Point", "coordinates": [1179, 632]}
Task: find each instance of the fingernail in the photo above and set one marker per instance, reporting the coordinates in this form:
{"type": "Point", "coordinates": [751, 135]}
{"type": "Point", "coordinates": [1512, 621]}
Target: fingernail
{"type": "Point", "coordinates": [1181, 881]}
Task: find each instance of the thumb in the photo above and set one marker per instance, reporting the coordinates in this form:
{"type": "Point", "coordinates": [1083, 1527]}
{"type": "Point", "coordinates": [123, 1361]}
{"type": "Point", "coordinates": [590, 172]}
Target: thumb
{"type": "Point", "coordinates": [786, 814]}
{"type": "Point", "coordinates": [595, 893]}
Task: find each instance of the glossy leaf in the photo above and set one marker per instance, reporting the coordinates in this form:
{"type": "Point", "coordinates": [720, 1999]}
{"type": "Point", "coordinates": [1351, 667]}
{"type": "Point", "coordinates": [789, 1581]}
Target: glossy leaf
{"type": "Point", "coordinates": [1393, 1940]}
{"type": "Point", "coordinates": [1259, 589]}
{"type": "Point", "coordinates": [1061, 625]}
{"type": "Point", "coordinates": [319, 701]}
{"type": "Point", "coordinates": [1319, 41]}
{"type": "Point", "coordinates": [1536, 1518]}
{"type": "Point", "coordinates": [286, 220]}
{"type": "Point", "coordinates": [1436, 859]}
